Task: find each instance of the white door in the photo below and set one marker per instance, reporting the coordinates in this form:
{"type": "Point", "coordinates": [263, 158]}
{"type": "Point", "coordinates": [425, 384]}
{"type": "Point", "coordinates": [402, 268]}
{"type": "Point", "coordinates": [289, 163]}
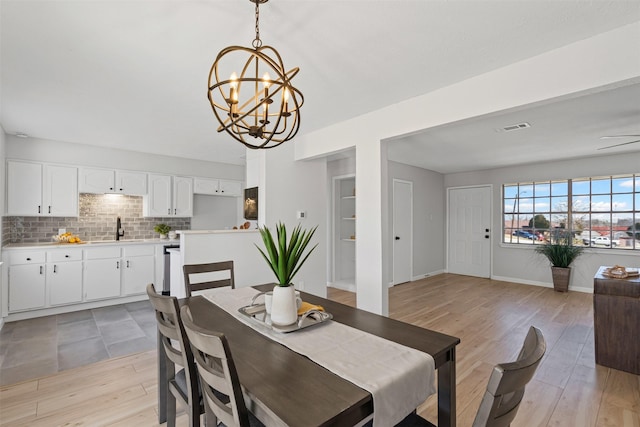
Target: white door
{"type": "Point", "coordinates": [402, 231]}
{"type": "Point", "coordinates": [469, 239]}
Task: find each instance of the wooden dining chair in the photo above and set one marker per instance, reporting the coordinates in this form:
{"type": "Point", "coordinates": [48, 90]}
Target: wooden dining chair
{"type": "Point", "coordinates": [183, 385]}
{"type": "Point", "coordinates": [505, 388]}
{"type": "Point", "coordinates": [221, 390]}
{"type": "Point", "coordinates": [192, 271]}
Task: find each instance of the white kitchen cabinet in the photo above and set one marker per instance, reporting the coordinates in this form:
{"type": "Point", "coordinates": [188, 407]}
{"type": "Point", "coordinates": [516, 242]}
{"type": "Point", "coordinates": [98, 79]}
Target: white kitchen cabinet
{"type": "Point", "coordinates": [169, 196]}
{"type": "Point", "coordinates": [36, 189]}
{"type": "Point", "coordinates": [138, 268]}
{"type": "Point", "coordinates": [217, 187]}
{"type": "Point", "coordinates": [101, 181]}
{"type": "Point", "coordinates": [27, 285]}
{"type": "Point", "coordinates": [102, 273]}
{"type": "Point", "coordinates": [64, 276]}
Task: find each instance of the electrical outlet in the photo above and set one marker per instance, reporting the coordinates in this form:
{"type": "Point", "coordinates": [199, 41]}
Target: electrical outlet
{"type": "Point", "coordinates": [61, 231]}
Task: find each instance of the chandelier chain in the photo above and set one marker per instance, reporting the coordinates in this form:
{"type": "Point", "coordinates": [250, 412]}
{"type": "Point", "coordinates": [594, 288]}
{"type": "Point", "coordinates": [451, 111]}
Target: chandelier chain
{"type": "Point", "coordinates": [257, 42]}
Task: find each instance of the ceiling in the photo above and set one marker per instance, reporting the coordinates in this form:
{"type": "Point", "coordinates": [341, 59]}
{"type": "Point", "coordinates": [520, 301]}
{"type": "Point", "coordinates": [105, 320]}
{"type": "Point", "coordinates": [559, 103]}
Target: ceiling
{"type": "Point", "coordinates": [132, 74]}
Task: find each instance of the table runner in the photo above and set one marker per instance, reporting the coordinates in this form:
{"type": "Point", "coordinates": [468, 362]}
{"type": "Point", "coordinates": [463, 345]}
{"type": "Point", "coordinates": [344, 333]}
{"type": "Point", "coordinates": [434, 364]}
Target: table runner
{"type": "Point", "coordinates": [398, 377]}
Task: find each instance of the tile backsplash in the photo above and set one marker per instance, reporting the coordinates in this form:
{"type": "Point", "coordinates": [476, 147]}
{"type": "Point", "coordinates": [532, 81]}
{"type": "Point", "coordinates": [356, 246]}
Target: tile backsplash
{"type": "Point", "coordinates": [96, 221]}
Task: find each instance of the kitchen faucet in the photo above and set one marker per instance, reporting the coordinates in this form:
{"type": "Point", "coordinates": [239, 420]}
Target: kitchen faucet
{"type": "Point", "coordinates": [119, 229]}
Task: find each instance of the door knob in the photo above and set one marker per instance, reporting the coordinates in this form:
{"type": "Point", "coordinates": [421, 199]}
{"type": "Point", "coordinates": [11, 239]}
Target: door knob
{"type": "Point", "coordinates": [397, 237]}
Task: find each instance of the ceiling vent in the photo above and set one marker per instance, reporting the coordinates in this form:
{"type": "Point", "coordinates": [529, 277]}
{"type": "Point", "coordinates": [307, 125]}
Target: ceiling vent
{"type": "Point", "coordinates": [511, 128]}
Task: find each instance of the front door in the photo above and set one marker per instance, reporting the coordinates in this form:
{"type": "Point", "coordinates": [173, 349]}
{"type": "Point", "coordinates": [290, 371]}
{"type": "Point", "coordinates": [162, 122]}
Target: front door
{"type": "Point", "coordinates": [469, 239]}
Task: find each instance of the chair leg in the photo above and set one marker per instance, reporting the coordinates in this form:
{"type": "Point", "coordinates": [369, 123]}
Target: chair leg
{"type": "Point", "coordinates": [171, 410]}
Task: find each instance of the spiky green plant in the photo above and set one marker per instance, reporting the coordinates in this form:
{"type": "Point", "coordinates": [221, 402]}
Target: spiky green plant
{"type": "Point", "coordinates": [285, 259]}
{"type": "Point", "coordinates": [561, 253]}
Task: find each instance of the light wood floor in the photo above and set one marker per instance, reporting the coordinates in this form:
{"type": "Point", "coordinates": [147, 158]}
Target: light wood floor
{"type": "Point", "coordinates": [491, 318]}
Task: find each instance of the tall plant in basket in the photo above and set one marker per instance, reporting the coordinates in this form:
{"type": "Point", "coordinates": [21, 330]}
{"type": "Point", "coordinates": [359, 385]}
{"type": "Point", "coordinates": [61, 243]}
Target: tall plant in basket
{"type": "Point", "coordinates": [285, 259]}
{"type": "Point", "coordinates": [561, 253]}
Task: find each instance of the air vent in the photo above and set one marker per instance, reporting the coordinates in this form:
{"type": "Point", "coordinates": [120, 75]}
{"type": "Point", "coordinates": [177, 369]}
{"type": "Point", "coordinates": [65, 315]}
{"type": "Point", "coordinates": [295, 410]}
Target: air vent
{"type": "Point", "coordinates": [511, 128]}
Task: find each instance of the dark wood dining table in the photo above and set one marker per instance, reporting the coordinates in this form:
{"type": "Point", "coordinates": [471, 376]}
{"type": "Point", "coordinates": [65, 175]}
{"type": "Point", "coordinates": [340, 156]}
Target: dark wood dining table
{"type": "Point", "coordinates": [288, 389]}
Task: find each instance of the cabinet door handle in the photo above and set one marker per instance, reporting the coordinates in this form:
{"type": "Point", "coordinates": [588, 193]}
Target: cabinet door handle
{"type": "Point", "coordinates": [49, 209]}
{"type": "Point", "coordinates": [169, 211]}
{"type": "Point", "coordinates": [175, 211]}
{"type": "Point", "coordinates": [117, 264]}
{"type": "Point", "coordinates": [39, 209]}
{"type": "Point", "coordinates": [55, 268]}
{"type": "Point", "coordinates": [40, 269]}
{"type": "Point", "coordinates": [127, 263]}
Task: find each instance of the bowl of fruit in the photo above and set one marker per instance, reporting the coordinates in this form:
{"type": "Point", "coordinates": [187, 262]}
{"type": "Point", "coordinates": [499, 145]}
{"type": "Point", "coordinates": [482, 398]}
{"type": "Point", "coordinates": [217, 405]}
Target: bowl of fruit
{"type": "Point", "coordinates": [67, 238]}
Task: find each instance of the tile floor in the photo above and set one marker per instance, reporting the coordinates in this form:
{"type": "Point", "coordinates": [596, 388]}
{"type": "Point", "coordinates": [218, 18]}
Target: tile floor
{"type": "Point", "coordinates": [45, 345]}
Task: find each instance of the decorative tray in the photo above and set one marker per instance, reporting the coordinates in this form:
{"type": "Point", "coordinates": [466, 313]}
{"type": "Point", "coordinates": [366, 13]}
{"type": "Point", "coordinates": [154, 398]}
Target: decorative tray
{"type": "Point", "coordinates": [258, 313]}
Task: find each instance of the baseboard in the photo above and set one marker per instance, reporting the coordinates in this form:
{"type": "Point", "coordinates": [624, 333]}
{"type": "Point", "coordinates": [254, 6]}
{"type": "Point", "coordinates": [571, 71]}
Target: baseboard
{"type": "Point", "coordinates": [541, 284]}
{"type": "Point", "coordinates": [351, 287]}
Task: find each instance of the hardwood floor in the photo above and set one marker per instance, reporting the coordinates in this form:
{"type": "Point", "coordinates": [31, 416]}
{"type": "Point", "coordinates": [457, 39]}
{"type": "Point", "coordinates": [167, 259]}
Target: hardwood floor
{"type": "Point", "coordinates": [491, 318]}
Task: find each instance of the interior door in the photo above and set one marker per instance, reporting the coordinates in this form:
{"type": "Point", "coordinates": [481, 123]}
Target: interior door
{"type": "Point", "coordinates": [469, 239]}
{"type": "Point", "coordinates": [402, 231]}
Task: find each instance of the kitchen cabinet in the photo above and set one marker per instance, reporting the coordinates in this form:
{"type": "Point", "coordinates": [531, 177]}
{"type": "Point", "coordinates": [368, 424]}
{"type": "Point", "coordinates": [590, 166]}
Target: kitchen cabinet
{"type": "Point", "coordinates": [64, 276]}
{"type": "Point", "coordinates": [138, 269]}
{"type": "Point", "coordinates": [27, 285]}
{"type": "Point", "coordinates": [169, 196]}
{"type": "Point", "coordinates": [100, 181]}
{"type": "Point", "coordinates": [217, 187]}
{"type": "Point", "coordinates": [102, 273]}
{"type": "Point", "coordinates": [36, 189]}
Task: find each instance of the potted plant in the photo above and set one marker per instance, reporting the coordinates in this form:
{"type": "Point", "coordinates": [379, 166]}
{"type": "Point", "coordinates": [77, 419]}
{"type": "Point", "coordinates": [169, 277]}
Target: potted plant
{"type": "Point", "coordinates": [285, 259]}
{"type": "Point", "coordinates": [561, 253]}
{"type": "Point", "coordinates": [163, 229]}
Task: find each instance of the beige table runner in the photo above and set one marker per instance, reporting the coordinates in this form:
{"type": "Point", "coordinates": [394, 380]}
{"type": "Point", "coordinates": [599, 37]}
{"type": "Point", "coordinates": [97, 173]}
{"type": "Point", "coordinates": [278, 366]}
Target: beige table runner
{"type": "Point", "coordinates": [398, 377]}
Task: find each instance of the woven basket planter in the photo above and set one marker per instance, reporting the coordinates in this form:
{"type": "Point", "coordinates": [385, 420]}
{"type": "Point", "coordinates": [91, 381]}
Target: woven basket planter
{"type": "Point", "coordinates": [561, 276]}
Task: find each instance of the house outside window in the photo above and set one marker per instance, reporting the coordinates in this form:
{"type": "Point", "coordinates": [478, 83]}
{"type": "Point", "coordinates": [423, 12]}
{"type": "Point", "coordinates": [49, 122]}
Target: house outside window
{"type": "Point", "coordinates": [600, 212]}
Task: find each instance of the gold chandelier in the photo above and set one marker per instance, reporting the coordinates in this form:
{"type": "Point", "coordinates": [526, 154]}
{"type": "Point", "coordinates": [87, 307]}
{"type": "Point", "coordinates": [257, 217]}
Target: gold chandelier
{"type": "Point", "coordinates": [261, 102]}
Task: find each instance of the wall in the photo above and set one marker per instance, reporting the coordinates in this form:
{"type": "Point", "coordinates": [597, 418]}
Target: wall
{"type": "Point", "coordinates": [2, 194]}
{"type": "Point", "coordinates": [292, 186]}
{"type": "Point", "coordinates": [428, 218]}
{"type": "Point", "coordinates": [43, 150]}
{"type": "Point", "coordinates": [521, 264]}
{"type": "Point", "coordinates": [215, 213]}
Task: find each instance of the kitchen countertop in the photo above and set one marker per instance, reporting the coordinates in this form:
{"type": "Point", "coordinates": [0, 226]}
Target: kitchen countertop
{"type": "Point", "coordinates": [56, 245]}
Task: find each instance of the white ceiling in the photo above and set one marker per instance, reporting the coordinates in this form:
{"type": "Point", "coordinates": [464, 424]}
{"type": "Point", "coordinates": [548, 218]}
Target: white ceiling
{"type": "Point", "coordinates": [132, 74]}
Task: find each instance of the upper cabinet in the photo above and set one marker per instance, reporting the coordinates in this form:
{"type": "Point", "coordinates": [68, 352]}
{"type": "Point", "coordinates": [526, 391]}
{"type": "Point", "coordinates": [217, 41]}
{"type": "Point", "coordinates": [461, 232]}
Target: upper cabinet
{"type": "Point", "coordinates": [35, 189]}
{"type": "Point", "coordinates": [169, 196]}
{"type": "Point", "coordinates": [100, 181]}
{"type": "Point", "coordinates": [217, 187]}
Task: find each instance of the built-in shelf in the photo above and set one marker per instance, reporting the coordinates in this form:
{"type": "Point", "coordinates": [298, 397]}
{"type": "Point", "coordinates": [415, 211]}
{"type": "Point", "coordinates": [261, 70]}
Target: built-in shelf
{"type": "Point", "coordinates": [348, 240]}
{"type": "Point", "coordinates": [344, 220]}
{"type": "Point", "coordinates": [353, 218]}
{"type": "Point", "coordinates": [348, 197]}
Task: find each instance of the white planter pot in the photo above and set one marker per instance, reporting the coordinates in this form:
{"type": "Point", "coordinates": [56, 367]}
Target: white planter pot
{"type": "Point", "coordinates": [284, 310]}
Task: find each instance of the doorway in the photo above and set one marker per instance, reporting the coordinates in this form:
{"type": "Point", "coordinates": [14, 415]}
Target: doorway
{"type": "Point", "coordinates": [402, 231]}
{"type": "Point", "coordinates": [469, 231]}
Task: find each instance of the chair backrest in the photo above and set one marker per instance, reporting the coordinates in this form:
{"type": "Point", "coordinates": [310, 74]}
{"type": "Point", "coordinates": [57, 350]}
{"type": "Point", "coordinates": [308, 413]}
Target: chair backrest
{"type": "Point", "coordinates": [507, 383]}
{"type": "Point", "coordinates": [192, 285]}
{"type": "Point", "coordinates": [221, 389]}
{"type": "Point", "coordinates": [172, 334]}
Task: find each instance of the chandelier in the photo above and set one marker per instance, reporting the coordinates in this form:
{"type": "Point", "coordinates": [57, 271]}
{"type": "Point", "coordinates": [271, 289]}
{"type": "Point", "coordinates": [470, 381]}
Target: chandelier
{"type": "Point", "coordinates": [261, 102]}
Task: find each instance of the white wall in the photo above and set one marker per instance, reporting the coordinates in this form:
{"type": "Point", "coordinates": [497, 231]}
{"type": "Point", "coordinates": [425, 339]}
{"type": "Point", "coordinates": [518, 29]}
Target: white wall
{"type": "Point", "coordinates": [610, 58]}
{"type": "Point", "coordinates": [292, 186]}
{"type": "Point", "coordinates": [428, 218]}
{"type": "Point", "coordinates": [87, 155]}
{"type": "Point", "coordinates": [521, 264]}
{"type": "Point", "coordinates": [2, 194]}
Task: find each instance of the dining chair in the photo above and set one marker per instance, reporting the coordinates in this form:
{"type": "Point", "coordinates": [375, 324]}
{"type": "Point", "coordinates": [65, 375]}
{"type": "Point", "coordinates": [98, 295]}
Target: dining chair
{"type": "Point", "coordinates": [183, 385]}
{"type": "Point", "coordinates": [221, 390]}
{"type": "Point", "coordinates": [192, 271]}
{"type": "Point", "coordinates": [505, 389]}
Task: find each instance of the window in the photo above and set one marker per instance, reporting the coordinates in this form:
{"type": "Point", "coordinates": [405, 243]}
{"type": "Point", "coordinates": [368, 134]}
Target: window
{"type": "Point", "coordinates": [601, 212]}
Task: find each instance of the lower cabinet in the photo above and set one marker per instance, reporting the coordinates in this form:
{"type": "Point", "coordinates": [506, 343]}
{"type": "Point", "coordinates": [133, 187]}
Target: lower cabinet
{"type": "Point", "coordinates": [42, 279]}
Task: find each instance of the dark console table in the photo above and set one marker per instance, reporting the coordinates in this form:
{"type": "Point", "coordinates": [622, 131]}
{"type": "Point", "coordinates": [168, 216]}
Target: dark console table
{"type": "Point", "coordinates": [616, 318]}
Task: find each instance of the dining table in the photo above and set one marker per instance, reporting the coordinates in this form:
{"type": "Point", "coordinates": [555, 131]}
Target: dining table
{"type": "Point", "coordinates": [285, 388]}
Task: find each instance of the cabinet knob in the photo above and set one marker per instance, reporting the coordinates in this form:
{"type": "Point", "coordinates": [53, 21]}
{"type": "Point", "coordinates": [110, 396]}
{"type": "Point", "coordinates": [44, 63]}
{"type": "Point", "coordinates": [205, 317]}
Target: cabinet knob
{"type": "Point", "coordinates": [110, 188]}
{"type": "Point", "coordinates": [66, 256]}
{"type": "Point", "coordinates": [122, 189]}
{"type": "Point", "coordinates": [397, 237]}
{"type": "Point", "coordinates": [28, 259]}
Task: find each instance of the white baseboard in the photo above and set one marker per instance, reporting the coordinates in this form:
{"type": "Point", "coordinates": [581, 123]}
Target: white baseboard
{"type": "Point", "coordinates": [541, 284]}
{"type": "Point", "coordinates": [343, 285]}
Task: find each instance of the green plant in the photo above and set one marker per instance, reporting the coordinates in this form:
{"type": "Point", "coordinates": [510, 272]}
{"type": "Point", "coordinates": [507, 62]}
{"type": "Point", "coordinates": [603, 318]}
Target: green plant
{"type": "Point", "coordinates": [561, 253]}
{"type": "Point", "coordinates": [162, 228]}
{"type": "Point", "coordinates": [285, 259]}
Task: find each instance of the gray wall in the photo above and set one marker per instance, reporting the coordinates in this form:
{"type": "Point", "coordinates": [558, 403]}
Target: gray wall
{"type": "Point", "coordinates": [428, 218]}
{"type": "Point", "coordinates": [215, 213]}
{"type": "Point", "coordinates": [521, 264]}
